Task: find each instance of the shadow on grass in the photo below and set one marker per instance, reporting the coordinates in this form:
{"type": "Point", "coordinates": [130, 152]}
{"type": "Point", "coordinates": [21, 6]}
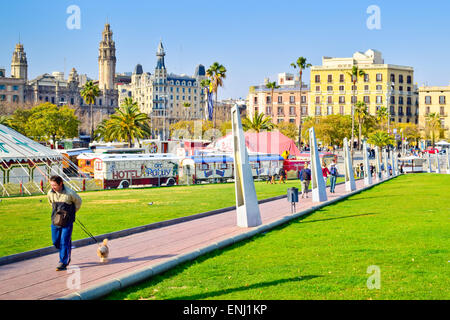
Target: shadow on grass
{"type": "Point", "coordinates": [352, 216]}
{"type": "Point", "coordinates": [245, 288]}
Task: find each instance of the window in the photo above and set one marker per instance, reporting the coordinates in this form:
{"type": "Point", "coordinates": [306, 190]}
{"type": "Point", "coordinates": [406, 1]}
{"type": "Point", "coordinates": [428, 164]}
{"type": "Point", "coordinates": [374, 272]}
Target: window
{"type": "Point", "coordinates": [268, 99]}
{"type": "Point", "coordinates": [379, 77]}
{"type": "Point", "coordinates": [341, 110]}
{"type": "Point", "coordinates": [292, 111]}
{"type": "Point", "coordinates": [408, 101]}
{"type": "Point", "coordinates": [318, 111]}
{"type": "Point", "coordinates": [317, 99]}
{"type": "Point", "coordinates": [71, 101]}
{"type": "Point", "coordinates": [341, 78]}
{"type": "Point", "coordinates": [393, 100]}
{"type": "Point", "coordinates": [409, 79]}
{"type": "Point", "coordinates": [15, 88]}
{"type": "Point", "coordinates": [354, 88]}
{"type": "Point", "coordinates": [330, 78]}
{"type": "Point", "coordinates": [354, 99]}
{"type": "Point", "coordinates": [427, 110]}
{"type": "Point", "coordinates": [392, 110]}
{"type": "Point", "coordinates": [441, 99]}
{"type": "Point", "coordinates": [2, 87]}
{"type": "Point", "coordinates": [280, 111]}
{"type": "Point", "coordinates": [184, 90]}
{"type": "Point", "coordinates": [366, 88]}
{"type": "Point", "coordinates": [379, 99]}
{"type": "Point", "coordinates": [304, 110]}
{"type": "Point", "coordinates": [317, 78]}
{"type": "Point", "coordinates": [400, 78]}
{"type": "Point", "coordinates": [292, 120]}
{"type": "Point", "coordinates": [15, 98]}
{"type": "Point", "coordinates": [392, 77]}
{"type": "Point", "coordinates": [400, 111]}
{"type": "Point", "coordinates": [366, 77]}
{"type": "Point", "coordinates": [255, 100]}
{"type": "Point", "coordinates": [100, 102]}
{"type": "Point", "coordinates": [268, 110]}
{"type": "Point", "coordinates": [329, 110]}
{"type": "Point", "coordinates": [291, 99]}
{"type": "Point", "coordinates": [342, 99]}
{"type": "Point", "coordinates": [427, 99]}
{"type": "Point", "coordinates": [280, 99]}
{"type": "Point", "coordinates": [330, 99]}
{"type": "Point", "coordinates": [53, 100]}
{"type": "Point", "coordinates": [205, 166]}
{"type": "Point", "coordinates": [303, 99]}
{"type": "Point", "coordinates": [330, 88]}
{"type": "Point", "coordinates": [379, 88]}
{"type": "Point", "coordinates": [341, 88]}
{"type": "Point", "coordinates": [400, 88]}
{"type": "Point", "coordinates": [366, 99]}
{"type": "Point", "coordinates": [317, 88]}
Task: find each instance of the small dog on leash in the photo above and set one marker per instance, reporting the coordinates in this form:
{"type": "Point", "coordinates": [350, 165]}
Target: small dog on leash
{"type": "Point", "coordinates": [103, 251]}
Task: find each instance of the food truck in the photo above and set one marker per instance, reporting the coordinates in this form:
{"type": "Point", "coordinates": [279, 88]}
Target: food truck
{"type": "Point", "coordinates": [125, 170]}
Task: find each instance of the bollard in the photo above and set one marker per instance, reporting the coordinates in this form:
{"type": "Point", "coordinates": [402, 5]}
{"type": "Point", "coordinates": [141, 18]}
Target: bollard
{"type": "Point", "coordinates": [84, 185]}
{"type": "Point", "coordinates": [42, 186]}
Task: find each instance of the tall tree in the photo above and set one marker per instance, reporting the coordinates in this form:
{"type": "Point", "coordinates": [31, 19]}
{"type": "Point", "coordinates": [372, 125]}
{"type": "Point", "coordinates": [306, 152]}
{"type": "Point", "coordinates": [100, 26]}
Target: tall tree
{"type": "Point", "coordinates": [289, 129]}
{"type": "Point", "coordinates": [50, 122]}
{"type": "Point", "coordinates": [258, 123]}
{"type": "Point", "coordinates": [382, 116]}
{"type": "Point", "coordinates": [432, 125]}
{"type": "Point", "coordinates": [301, 64]}
{"type": "Point", "coordinates": [361, 115]}
{"type": "Point", "coordinates": [216, 73]}
{"type": "Point", "coordinates": [381, 139]}
{"type": "Point", "coordinates": [90, 92]}
{"type": "Point", "coordinates": [355, 73]}
{"type": "Point", "coordinates": [128, 123]}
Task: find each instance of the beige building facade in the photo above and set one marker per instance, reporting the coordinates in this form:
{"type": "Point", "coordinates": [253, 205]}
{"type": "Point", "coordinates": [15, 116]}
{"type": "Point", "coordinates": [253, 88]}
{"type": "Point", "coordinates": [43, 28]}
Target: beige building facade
{"type": "Point", "coordinates": [435, 99]}
{"type": "Point", "coordinates": [387, 85]}
{"type": "Point", "coordinates": [166, 98]}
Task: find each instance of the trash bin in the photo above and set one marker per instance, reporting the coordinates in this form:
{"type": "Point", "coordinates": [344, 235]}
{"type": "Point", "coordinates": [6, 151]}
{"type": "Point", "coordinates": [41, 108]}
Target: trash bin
{"type": "Point", "coordinates": [292, 195]}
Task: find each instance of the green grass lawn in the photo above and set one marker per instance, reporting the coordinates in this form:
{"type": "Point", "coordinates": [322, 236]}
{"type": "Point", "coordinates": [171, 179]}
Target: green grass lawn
{"type": "Point", "coordinates": [401, 226]}
{"type": "Point", "coordinates": [25, 221]}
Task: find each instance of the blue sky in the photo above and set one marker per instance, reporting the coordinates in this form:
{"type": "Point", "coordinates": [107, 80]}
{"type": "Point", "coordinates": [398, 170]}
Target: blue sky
{"type": "Point", "coordinates": [252, 39]}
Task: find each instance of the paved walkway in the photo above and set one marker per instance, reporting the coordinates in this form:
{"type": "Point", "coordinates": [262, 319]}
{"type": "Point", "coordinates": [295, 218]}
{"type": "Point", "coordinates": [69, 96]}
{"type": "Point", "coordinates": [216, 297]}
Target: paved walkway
{"type": "Point", "coordinates": [37, 279]}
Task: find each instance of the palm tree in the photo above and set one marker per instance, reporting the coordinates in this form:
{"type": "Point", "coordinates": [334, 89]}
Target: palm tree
{"type": "Point", "coordinates": [101, 132]}
{"type": "Point", "coordinates": [258, 123]}
{"type": "Point", "coordinates": [5, 120]}
{"type": "Point", "coordinates": [128, 123]}
{"type": "Point", "coordinates": [382, 115]}
{"type": "Point", "coordinates": [360, 114]}
{"type": "Point", "coordinates": [89, 92]}
{"type": "Point", "coordinates": [433, 123]}
{"type": "Point", "coordinates": [381, 139]}
{"type": "Point", "coordinates": [301, 65]}
{"type": "Point", "coordinates": [272, 86]}
{"type": "Point", "coordinates": [355, 73]}
{"type": "Point", "coordinates": [216, 73]}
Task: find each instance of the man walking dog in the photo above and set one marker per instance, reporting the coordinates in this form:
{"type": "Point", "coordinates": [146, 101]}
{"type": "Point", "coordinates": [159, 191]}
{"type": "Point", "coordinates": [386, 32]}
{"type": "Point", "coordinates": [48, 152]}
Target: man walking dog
{"type": "Point", "coordinates": [65, 203]}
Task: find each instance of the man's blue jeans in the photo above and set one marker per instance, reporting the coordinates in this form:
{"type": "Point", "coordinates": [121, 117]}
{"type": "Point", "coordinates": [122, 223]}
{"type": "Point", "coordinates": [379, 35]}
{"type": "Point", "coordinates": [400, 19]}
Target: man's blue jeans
{"type": "Point", "coordinates": [62, 240]}
{"type": "Point", "coordinates": [332, 183]}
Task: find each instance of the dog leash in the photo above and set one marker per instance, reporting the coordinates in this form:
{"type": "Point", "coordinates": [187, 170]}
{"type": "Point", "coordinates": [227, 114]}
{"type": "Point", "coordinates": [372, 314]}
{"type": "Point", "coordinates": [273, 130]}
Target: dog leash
{"type": "Point", "coordinates": [82, 226]}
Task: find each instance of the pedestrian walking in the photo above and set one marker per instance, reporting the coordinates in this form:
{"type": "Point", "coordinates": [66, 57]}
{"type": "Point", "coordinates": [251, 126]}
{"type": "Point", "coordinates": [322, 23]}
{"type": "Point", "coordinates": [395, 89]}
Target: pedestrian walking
{"type": "Point", "coordinates": [325, 172]}
{"type": "Point", "coordinates": [361, 170]}
{"type": "Point", "coordinates": [65, 203]}
{"type": "Point", "coordinates": [305, 177]}
{"type": "Point", "coordinates": [333, 176]}
{"type": "Point", "coordinates": [282, 175]}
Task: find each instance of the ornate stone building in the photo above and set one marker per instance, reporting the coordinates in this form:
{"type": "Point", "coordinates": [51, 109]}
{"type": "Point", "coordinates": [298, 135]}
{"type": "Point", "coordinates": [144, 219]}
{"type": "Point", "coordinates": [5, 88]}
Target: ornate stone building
{"type": "Point", "coordinates": [166, 98]}
{"type": "Point", "coordinates": [55, 89]}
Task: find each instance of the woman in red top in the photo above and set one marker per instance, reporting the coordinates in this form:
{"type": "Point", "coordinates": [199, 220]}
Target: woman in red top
{"type": "Point", "coordinates": [325, 172]}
